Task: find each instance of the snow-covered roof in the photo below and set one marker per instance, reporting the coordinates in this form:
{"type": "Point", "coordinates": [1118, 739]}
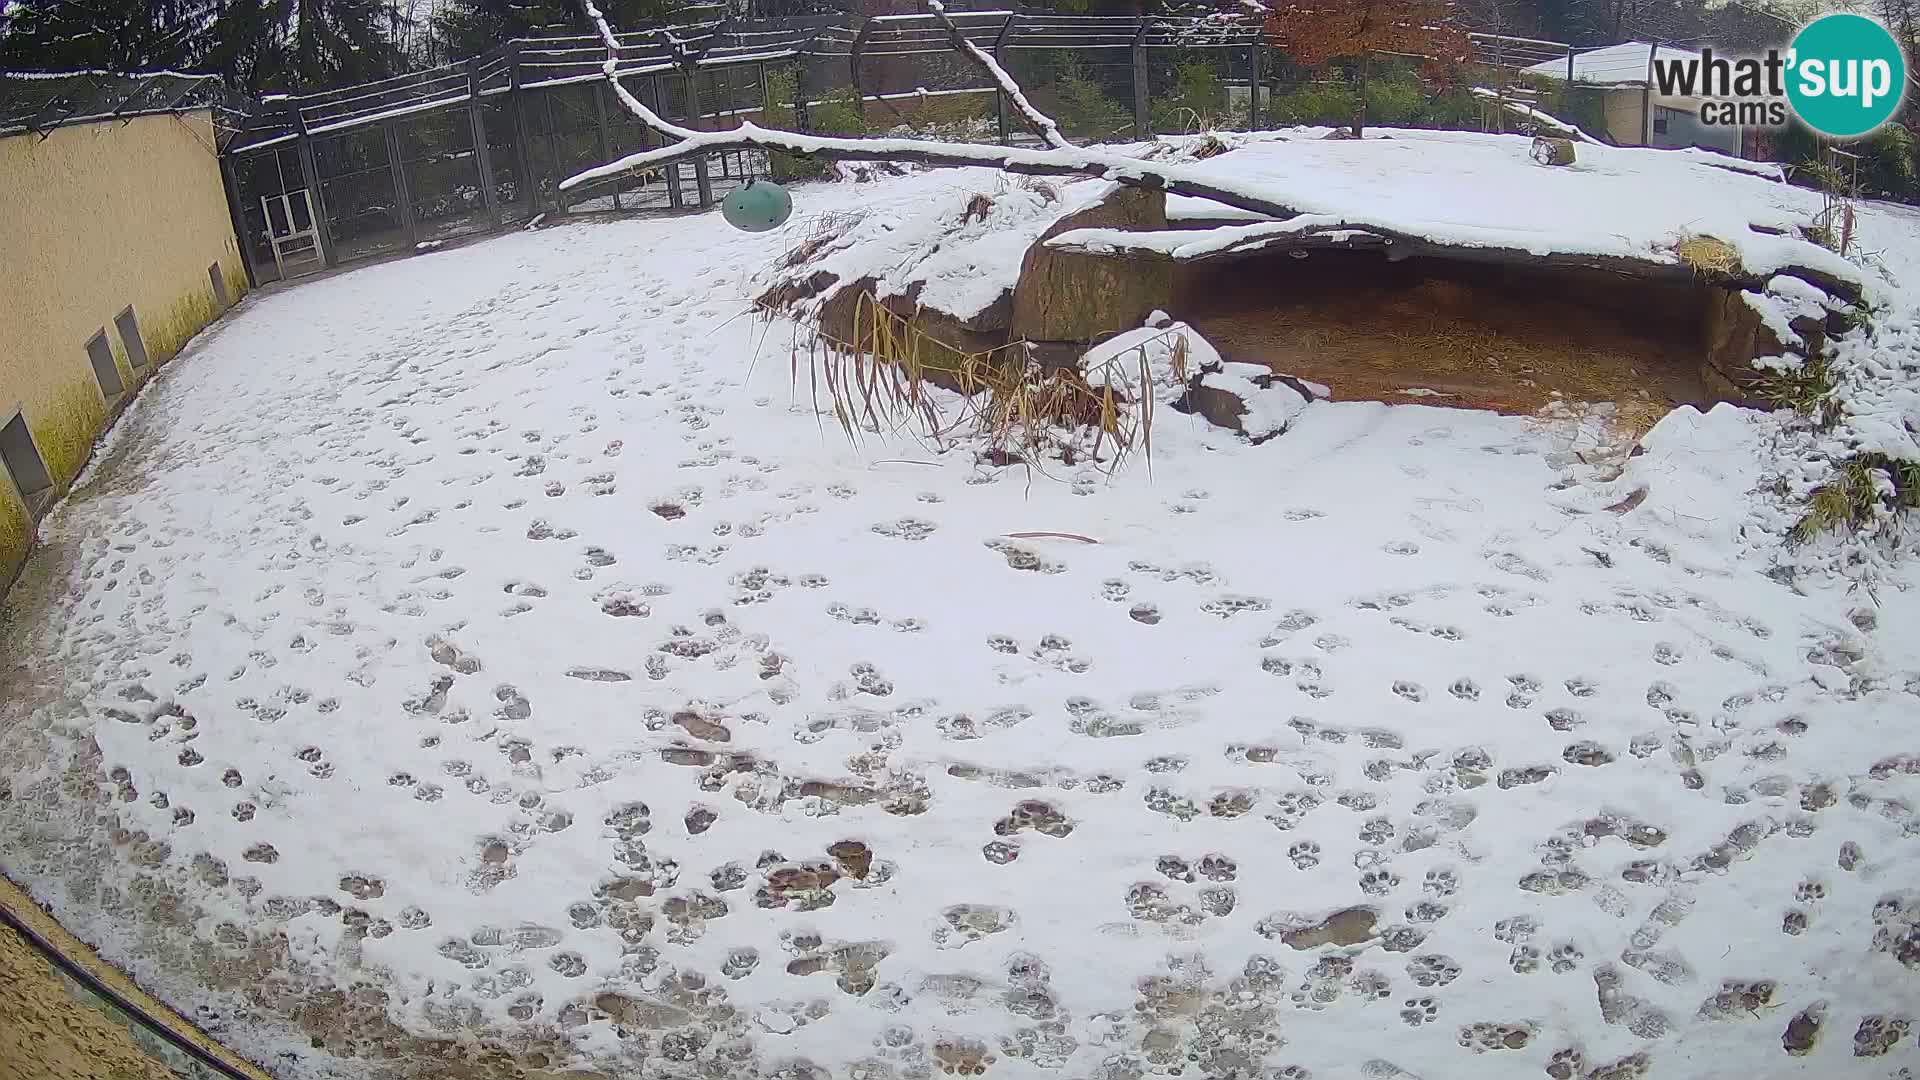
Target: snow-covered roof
{"type": "Point", "coordinates": [1615, 65]}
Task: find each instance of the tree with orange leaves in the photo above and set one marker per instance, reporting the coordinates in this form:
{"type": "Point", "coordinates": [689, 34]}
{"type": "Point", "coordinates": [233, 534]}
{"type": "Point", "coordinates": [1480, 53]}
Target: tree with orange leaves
{"type": "Point", "coordinates": [1318, 32]}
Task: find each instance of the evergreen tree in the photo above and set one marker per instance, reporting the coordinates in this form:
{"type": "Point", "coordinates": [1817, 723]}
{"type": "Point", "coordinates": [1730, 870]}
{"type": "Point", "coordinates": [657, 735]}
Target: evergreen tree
{"type": "Point", "coordinates": [465, 28]}
{"type": "Point", "coordinates": [331, 42]}
{"type": "Point", "coordinates": [113, 35]}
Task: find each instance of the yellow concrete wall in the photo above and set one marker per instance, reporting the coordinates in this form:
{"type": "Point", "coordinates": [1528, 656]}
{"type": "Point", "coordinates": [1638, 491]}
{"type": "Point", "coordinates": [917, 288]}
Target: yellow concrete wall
{"type": "Point", "coordinates": [93, 218]}
{"type": "Point", "coordinates": [1626, 122]}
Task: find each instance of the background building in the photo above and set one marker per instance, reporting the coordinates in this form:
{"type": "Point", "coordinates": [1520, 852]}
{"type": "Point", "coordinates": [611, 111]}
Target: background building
{"type": "Point", "coordinates": [1634, 113]}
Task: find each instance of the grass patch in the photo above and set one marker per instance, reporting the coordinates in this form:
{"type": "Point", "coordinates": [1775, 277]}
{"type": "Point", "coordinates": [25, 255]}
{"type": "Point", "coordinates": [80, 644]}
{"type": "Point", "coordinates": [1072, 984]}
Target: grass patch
{"type": "Point", "coordinates": [64, 430]}
{"type": "Point", "coordinates": [1806, 388]}
{"type": "Point", "coordinates": [16, 535]}
{"type": "Point", "coordinates": [1863, 487]}
{"type": "Point", "coordinates": [885, 379]}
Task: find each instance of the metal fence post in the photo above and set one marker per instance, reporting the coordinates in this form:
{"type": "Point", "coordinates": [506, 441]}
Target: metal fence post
{"type": "Point", "coordinates": [397, 166]}
{"type": "Point", "coordinates": [482, 153]}
{"type": "Point", "coordinates": [673, 168]}
{"type": "Point", "coordinates": [702, 181]}
{"type": "Point", "coordinates": [231, 182]}
{"type": "Point", "coordinates": [1000, 96]}
{"type": "Point", "coordinates": [1142, 122]}
{"type": "Point", "coordinates": [553, 140]}
{"type": "Point", "coordinates": [1646, 98]}
{"type": "Point", "coordinates": [606, 143]}
{"type": "Point", "coordinates": [517, 114]}
{"type": "Point", "coordinates": [853, 67]}
{"type": "Point", "coordinates": [1256, 60]}
{"type": "Point", "coordinates": [310, 176]}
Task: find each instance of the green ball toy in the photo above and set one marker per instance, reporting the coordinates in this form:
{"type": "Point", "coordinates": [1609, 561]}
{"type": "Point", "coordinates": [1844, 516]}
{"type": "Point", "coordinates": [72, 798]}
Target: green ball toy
{"type": "Point", "coordinates": [757, 207]}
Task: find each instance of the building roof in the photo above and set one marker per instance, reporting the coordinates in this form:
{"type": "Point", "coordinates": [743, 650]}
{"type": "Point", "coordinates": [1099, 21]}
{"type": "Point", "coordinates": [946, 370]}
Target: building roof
{"type": "Point", "coordinates": [1615, 65]}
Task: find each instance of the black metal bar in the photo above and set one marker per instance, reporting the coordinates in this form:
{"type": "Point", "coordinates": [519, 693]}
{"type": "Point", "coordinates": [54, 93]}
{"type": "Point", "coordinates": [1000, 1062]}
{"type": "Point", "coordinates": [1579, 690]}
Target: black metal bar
{"type": "Point", "coordinates": [482, 153]}
{"type": "Point", "coordinates": [231, 183]}
{"type": "Point", "coordinates": [1000, 96]}
{"type": "Point", "coordinates": [310, 176]}
{"type": "Point", "coordinates": [553, 139]}
{"type": "Point", "coordinates": [853, 67]}
{"type": "Point", "coordinates": [673, 169]}
{"type": "Point", "coordinates": [402, 193]}
{"type": "Point", "coordinates": [606, 150]}
{"type": "Point", "coordinates": [702, 179]}
{"type": "Point", "coordinates": [1256, 60]}
{"type": "Point", "coordinates": [517, 116]}
{"type": "Point", "coordinates": [1142, 122]}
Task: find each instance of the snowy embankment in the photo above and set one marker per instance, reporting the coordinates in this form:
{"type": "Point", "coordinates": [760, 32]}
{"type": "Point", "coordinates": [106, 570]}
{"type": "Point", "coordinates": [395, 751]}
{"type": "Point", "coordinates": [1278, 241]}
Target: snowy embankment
{"type": "Point", "coordinates": [490, 646]}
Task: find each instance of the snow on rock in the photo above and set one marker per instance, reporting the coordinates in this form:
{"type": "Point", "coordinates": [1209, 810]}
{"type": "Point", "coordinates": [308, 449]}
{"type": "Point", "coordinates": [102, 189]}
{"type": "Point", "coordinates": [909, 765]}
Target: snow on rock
{"type": "Point", "coordinates": [1173, 352]}
{"type": "Point", "coordinates": [1471, 189]}
{"type": "Point", "coordinates": [495, 651]}
{"type": "Point", "coordinates": [1247, 398]}
{"type": "Point", "coordinates": [930, 231]}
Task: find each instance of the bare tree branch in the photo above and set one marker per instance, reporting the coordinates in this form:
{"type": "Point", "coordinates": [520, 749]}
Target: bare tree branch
{"type": "Point", "coordinates": [1061, 159]}
{"type": "Point", "coordinates": [1042, 124]}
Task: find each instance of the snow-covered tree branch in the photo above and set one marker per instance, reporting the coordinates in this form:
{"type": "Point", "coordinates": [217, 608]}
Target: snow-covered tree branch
{"type": "Point", "coordinates": [1060, 157]}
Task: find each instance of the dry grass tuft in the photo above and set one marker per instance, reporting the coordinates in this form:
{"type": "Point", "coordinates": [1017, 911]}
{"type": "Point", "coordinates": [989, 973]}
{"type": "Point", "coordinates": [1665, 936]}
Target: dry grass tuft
{"type": "Point", "coordinates": [1708, 255]}
{"type": "Point", "coordinates": [1048, 193]}
{"type": "Point", "coordinates": [820, 232]}
{"type": "Point", "coordinates": [889, 376]}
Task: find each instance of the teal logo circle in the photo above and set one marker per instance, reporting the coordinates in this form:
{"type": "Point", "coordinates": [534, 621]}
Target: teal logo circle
{"type": "Point", "coordinates": [1846, 75]}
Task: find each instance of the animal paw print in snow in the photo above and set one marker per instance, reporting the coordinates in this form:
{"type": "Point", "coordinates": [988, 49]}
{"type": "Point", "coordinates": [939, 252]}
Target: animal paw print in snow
{"type": "Point", "coordinates": [1038, 816]}
{"type": "Point", "coordinates": [1481, 1038]}
{"type": "Point", "coordinates": [906, 528]}
{"type": "Point", "coordinates": [1226, 607]}
{"type": "Point", "coordinates": [1515, 929]}
{"type": "Point", "coordinates": [1023, 558]}
{"type": "Point", "coordinates": [1524, 689]}
{"type": "Point", "coordinates": [1379, 883]}
{"type": "Point", "coordinates": [1524, 960]}
{"type": "Point", "coordinates": [1419, 1011]}
{"type": "Point", "coordinates": [1432, 970]}
{"type": "Point", "coordinates": [868, 680]}
{"type": "Point", "coordinates": [1565, 957]}
{"type": "Point", "coordinates": [1052, 651]}
{"type": "Point", "coordinates": [1305, 855]}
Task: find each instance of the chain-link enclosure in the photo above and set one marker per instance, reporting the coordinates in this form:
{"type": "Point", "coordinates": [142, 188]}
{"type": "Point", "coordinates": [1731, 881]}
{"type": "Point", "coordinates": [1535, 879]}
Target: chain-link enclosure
{"type": "Point", "coordinates": [486, 143]}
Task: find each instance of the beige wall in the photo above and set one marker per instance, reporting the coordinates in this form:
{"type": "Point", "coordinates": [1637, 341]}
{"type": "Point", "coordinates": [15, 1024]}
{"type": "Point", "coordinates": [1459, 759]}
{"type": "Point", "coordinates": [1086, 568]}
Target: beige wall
{"type": "Point", "coordinates": [93, 218]}
{"type": "Point", "coordinates": [1626, 123]}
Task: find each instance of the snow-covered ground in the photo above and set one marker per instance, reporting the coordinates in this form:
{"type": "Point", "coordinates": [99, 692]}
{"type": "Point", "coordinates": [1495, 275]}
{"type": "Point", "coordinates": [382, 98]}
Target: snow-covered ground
{"type": "Point", "coordinates": [490, 644]}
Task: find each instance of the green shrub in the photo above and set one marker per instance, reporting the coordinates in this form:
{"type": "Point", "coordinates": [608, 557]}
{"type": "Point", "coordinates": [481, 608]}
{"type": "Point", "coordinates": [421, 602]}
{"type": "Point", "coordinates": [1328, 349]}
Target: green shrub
{"type": "Point", "coordinates": [1312, 103]}
{"type": "Point", "coordinates": [1197, 100]}
{"type": "Point", "coordinates": [1077, 101]}
{"type": "Point", "coordinates": [838, 114]}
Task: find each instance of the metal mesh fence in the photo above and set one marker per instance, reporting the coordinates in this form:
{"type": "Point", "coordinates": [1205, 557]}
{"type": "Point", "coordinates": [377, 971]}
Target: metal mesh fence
{"type": "Point", "coordinates": [486, 142]}
{"type": "Point", "coordinates": [43, 101]}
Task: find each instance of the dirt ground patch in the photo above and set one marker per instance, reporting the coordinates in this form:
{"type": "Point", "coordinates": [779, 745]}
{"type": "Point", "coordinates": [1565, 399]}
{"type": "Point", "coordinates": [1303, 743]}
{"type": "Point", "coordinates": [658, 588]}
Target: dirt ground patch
{"type": "Point", "coordinates": [1486, 337]}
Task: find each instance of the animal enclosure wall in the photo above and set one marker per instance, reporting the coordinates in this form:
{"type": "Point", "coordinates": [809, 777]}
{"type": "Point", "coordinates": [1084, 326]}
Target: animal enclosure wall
{"type": "Point", "coordinates": [107, 229]}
